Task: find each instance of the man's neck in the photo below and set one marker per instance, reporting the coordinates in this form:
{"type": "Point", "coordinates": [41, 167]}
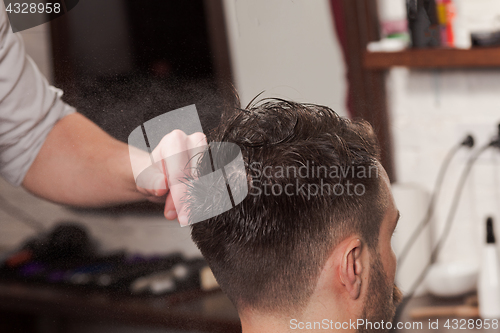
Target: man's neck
{"type": "Point", "coordinates": [263, 324]}
{"type": "Point", "coordinates": [310, 321]}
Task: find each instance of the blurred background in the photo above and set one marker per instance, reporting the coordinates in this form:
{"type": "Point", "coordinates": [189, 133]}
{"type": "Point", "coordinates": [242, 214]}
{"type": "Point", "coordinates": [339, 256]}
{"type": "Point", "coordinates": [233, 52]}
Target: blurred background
{"type": "Point", "coordinates": [424, 73]}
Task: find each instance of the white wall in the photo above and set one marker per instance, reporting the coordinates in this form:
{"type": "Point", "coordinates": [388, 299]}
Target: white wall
{"type": "Point", "coordinates": [287, 48]}
{"type": "Point", "coordinates": [482, 15]}
{"type": "Point", "coordinates": [431, 111]}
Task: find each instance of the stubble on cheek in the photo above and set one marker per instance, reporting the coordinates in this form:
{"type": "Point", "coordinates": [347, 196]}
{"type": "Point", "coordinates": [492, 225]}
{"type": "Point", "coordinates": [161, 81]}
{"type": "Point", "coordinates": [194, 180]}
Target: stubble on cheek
{"type": "Point", "coordinates": [382, 299]}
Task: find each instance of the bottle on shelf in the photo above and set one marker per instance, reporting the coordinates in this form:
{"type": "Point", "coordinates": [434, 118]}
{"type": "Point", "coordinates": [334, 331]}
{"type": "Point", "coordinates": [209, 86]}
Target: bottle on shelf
{"type": "Point", "coordinates": [489, 277]}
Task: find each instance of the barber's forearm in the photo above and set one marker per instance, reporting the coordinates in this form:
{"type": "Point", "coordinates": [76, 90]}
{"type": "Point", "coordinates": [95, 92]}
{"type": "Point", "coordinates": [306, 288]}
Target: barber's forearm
{"type": "Point", "coordinates": [79, 164]}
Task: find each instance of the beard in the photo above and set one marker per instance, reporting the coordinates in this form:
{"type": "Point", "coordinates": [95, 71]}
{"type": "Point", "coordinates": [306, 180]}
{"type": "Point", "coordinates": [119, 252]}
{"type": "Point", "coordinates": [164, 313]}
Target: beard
{"type": "Point", "coordinates": [382, 299]}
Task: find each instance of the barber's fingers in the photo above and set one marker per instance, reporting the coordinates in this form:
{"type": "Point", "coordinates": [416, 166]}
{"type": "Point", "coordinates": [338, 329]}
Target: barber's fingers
{"type": "Point", "coordinates": [172, 154]}
{"type": "Point", "coordinates": [152, 182]}
{"type": "Point", "coordinates": [179, 155]}
{"type": "Point", "coordinates": [197, 143]}
{"type": "Point", "coordinates": [170, 212]}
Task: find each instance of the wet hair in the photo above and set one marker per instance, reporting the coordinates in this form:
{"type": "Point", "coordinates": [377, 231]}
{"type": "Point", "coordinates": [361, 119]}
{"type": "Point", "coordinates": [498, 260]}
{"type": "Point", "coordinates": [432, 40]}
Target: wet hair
{"type": "Point", "coordinates": [268, 251]}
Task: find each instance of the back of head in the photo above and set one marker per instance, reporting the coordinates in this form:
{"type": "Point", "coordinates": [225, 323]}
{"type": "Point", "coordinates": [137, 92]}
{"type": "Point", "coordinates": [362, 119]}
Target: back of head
{"type": "Point", "coordinates": [312, 180]}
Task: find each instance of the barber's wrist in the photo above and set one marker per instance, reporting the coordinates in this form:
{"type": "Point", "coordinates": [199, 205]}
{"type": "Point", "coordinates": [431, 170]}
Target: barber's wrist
{"type": "Point", "coordinates": [121, 167]}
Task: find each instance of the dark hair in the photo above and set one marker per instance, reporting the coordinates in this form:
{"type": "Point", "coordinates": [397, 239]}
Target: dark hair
{"type": "Point", "coordinates": [268, 251]}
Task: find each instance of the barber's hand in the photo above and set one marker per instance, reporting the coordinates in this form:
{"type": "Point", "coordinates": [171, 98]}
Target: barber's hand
{"type": "Point", "coordinates": [175, 157]}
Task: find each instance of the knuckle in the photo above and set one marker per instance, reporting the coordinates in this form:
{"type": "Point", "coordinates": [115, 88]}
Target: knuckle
{"type": "Point", "coordinates": [198, 138]}
{"type": "Point", "coordinates": [172, 143]}
{"type": "Point", "coordinates": [174, 136]}
{"type": "Point", "coordinates": [178, 134]}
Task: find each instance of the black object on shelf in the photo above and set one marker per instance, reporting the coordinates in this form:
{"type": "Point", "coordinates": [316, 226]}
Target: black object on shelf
{"type": "Point", "coordinates": [423, 23]}
{"type": "Point", "coordinates": [486, 39]}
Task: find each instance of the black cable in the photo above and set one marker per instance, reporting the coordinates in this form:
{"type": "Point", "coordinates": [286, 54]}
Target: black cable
{"type": "Point", "coordinates": [19, 215]}
{"type": "Point", "coordinates": [449, 222]}
{"type": "Point", "coordinates": [430, 208]}
{"type": "Point", "coordinates": [468, 142]}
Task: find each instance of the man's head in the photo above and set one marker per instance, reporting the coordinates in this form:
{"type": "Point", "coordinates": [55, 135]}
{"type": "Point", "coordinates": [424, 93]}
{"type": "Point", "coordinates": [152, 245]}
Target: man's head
{"type": "Point", "coordinates": [317, 222]}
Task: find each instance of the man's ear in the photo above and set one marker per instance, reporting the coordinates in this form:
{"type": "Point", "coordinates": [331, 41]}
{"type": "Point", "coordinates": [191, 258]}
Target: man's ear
{"type": "Point", "coordinates": [351, 268]}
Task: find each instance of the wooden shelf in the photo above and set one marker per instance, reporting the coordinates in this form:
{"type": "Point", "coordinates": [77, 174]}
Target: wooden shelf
{"type": "Point", "coordinates": [434, 58]}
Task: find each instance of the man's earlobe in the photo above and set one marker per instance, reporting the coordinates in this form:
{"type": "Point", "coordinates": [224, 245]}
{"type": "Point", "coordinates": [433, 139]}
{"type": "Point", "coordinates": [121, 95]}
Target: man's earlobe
{"type": "Point", "coordinates": [351, 268]}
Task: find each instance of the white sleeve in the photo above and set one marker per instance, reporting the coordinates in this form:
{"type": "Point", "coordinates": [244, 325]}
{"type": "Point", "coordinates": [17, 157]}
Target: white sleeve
{"type": "Point", "coordinates": [29, 106]}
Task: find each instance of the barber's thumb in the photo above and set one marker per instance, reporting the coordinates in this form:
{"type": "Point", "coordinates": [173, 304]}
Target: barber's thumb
{"type": "Point", "coordinates": [153, 181]}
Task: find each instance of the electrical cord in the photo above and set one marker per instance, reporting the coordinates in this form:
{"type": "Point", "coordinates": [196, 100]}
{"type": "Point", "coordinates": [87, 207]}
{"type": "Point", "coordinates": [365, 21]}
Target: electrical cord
{"type": "Point", "coordinates": [449, 222]}
{"type": "Point", "coordinates": [467, 142]}
{"type": "Point", "coordinates": [19, 215]}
